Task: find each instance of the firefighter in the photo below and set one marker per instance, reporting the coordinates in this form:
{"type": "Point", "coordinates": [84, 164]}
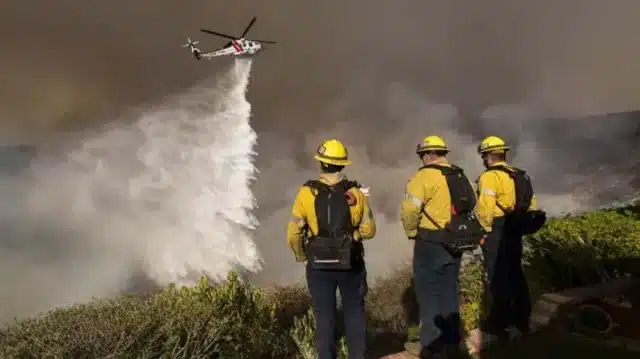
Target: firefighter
{"type": "Point", "coordinates": [510, 308]}
{"type": "Point", "coordinates": [425, 212]}
{"type": "Point", "coordinates": [330, 219]}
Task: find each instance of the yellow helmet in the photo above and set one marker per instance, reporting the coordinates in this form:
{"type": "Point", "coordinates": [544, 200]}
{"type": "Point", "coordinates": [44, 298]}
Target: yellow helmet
{"type": "Point", "coordinates": [432, 143]}
{"type": "Point", "coordinates": [332, 152]}
{"type": "Point", "coordinates": [492, 144]}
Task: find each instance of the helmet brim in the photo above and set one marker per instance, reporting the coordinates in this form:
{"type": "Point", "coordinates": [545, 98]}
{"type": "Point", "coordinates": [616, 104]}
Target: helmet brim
{"type": "Point", "coordinates": [495, 149]}
{"type": "Point", "coordinates": [332, 161]}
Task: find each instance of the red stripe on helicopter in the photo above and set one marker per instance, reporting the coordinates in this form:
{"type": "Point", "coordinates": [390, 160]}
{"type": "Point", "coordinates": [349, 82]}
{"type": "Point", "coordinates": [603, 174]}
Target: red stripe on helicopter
{"type": "Point", "coordinates": [236, 46]}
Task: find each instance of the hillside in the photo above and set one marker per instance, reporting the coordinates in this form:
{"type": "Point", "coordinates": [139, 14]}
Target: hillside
{"type": "Point", "coordinates": [236, 320]}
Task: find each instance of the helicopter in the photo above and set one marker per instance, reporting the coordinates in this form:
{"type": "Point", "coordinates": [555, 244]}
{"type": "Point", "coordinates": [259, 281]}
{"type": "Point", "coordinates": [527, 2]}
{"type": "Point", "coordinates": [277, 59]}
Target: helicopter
{"type": "Point", "coordinates": [238, 46]}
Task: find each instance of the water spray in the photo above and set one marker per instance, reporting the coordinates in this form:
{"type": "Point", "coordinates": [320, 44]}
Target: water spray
{"type": "Point", "coordinates": [164, 191]}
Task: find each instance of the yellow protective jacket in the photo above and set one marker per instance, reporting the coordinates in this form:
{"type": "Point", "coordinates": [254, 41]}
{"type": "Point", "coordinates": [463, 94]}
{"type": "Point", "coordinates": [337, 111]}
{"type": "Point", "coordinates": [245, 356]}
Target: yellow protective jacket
{"type": "Point", "coordinates": [426, 189]}
{"type": "Point", "coordinates": [303, 216]}
{"type": "Point", "coordinates": [496, 187]}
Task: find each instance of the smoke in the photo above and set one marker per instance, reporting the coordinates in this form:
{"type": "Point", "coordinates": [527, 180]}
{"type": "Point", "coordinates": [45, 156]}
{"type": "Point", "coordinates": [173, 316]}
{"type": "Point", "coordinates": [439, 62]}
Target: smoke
{"type": "Point", "coordinates": [393, 73]}
{"type": "Point", "coordinates": [166, 194]}
{"type": "Point", "coordinates": [377, 75]}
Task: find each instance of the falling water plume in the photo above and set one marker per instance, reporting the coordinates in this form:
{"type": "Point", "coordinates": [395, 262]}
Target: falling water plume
{"type": "Point", "coordinates": [165, 191]}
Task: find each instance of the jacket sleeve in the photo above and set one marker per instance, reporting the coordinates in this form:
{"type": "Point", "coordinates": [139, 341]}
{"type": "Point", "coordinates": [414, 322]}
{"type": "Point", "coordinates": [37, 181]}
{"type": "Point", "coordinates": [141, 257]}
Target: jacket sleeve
{"type": "Point", "coordinates": [296, 227]}
{"type": "Point", "coordinates": [367, 227]}
{"type": "Point", "coordinates": [411, 207]}
{"type": "Point", "coordinates": [487, 192]}
{"type": "Point", "coordinates": [534, 203]}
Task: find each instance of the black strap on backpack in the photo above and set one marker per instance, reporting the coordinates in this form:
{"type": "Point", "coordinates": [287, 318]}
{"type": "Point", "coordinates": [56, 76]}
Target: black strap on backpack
{"type": "Point", "coordinates": [524, 220]}
{"type": "Point", "coordinates": [333, 246]}
{"type": "Point", "coordinates": [464, 229]}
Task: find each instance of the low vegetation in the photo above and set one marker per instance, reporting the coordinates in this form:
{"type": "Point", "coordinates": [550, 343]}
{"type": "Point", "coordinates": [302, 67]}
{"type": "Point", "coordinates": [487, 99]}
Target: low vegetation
{"type": "Point", "coordinates": [236, 320]}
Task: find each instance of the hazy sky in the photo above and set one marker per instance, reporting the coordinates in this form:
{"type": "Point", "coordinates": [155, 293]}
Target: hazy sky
{"type": "Point", "coordinates": [63, 62]}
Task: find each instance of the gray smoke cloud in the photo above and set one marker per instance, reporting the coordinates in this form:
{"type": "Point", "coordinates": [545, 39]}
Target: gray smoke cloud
{"type": "Point", "coordinates": [377, 75]}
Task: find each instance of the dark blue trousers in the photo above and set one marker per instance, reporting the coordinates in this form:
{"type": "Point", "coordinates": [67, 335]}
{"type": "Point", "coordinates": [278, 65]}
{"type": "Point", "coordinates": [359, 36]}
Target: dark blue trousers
{"type": "Point", "coordinates": [506, 282]}
{"type": "Point", "coordinates": [435, 275]}
{"type": "Point", "coordinates": [353, 289]}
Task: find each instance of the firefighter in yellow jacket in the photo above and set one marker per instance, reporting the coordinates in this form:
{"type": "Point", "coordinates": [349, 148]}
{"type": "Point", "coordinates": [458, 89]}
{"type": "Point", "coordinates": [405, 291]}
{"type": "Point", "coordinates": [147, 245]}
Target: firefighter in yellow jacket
{"type": "Point", "coordinates": [425, 212]}
{"type": "Point", "coordinates": [329, 220]}
{"type": "Point", "coordinates": [511, 307]}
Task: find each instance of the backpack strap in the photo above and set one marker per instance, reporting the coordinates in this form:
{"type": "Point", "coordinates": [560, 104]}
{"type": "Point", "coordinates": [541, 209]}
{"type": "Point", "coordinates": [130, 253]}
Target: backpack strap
{"type": "Point", "coordinates": [316, 185]}
{"type": "Point", "coordinates": [347, 185]}
{"type": "Point", "coordinates": [445, 170]}
{"type": "Point", "coordinates": [344, 185]}
{"type": "Point", "coordinates": [511, 172]}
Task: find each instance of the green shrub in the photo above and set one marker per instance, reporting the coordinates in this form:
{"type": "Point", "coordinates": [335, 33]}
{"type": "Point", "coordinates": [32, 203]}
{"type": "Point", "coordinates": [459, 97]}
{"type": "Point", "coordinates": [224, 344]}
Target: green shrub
{"type": "Point", "coordinates": [303, 333]}
{"type": "Point", "coordinates": [471, 294]}
{"type": "Point", "coordinates": [231, 320]}
{"type": "Point", "coordinates": [587, 249]}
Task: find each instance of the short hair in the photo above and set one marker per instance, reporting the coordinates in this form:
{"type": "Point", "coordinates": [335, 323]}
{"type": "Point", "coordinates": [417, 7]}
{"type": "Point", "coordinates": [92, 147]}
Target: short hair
{"type": "Point", "coordinates": [439, 153]}
{"type": "Point", "coordinates": [499, 156]}
{"type": "Point", "coordinates": [329, 168]}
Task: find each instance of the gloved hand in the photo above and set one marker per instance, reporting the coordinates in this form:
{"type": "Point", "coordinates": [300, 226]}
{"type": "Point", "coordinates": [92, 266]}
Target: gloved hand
{"type": "Point", "coordinates": [298, 251]}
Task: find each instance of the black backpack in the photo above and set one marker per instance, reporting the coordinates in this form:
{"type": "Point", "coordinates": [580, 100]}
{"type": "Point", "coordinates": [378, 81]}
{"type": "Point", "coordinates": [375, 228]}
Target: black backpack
{"type": "Point", "coordinates": [520, 218]}
{"type": "Point", "coordinates": [333, 246]}
{"type": "Point", "coordinates": [465, 231]}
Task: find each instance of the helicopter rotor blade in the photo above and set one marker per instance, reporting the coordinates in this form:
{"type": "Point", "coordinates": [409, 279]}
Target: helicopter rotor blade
{"type": "Point", "coordinates": [265, 41]}
{"type": "Point", "coordinates": [218, 34]}
{"type": "Point", "coordinates": [248, 27]}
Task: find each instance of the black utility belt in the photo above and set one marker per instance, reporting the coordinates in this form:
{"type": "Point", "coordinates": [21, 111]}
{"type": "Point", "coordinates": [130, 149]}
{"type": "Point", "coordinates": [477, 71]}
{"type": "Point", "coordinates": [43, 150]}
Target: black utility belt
{"type": "Point", "coordinates": [454, 244]}
{"type": "Point", "coordinates": [434, 235]}
{"type": "Point", "coordinates": [431, 232]}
